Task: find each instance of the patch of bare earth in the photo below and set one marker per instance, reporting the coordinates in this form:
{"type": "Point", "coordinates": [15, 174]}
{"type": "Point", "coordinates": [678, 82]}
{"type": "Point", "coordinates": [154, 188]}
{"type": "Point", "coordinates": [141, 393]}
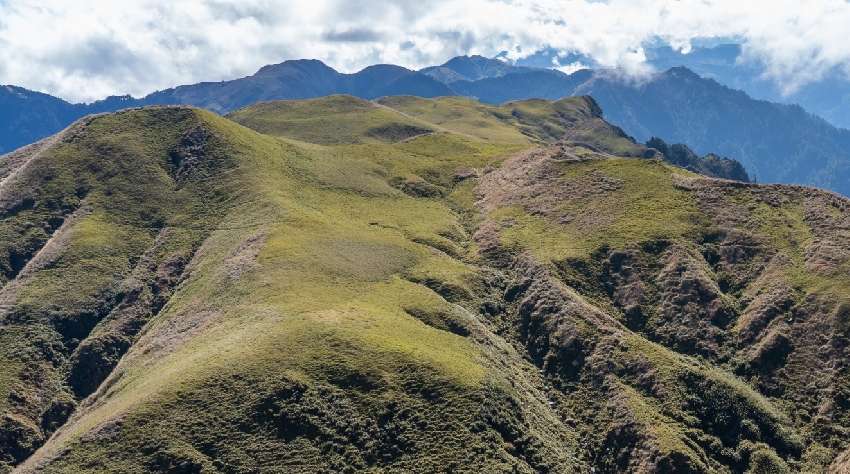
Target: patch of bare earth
{"type": "Point", "coordinates": [534, 180]}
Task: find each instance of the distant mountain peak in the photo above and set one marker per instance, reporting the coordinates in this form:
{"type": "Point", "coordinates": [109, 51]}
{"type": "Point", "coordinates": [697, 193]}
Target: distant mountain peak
{"type": "Point", "coordinates": [474, 59]}
{"type": "Point", "coordinates": [683, 72]}
{"type": "Point", "coordinates": [301, 64]}
{"type": "Point", "coordinates": [23, 92]}
{"type": "Point", "coordinates": [385, 69]}
{"type": "Point", "coordinates": [470, 68]}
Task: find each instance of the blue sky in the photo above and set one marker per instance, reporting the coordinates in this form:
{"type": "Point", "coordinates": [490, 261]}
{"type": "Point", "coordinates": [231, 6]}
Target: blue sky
{"type": "Point", "coordinates": [86, 50]}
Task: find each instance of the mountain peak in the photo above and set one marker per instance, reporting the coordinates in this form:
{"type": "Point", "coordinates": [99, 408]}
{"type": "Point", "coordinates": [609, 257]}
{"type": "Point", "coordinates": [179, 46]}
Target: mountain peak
{"type": "Point", "coordinates": [682, 72]}
{"type": "Point", "coordinates": [470, 68]}
{"type": "Point", "coordinates": [22, 92]}
{"type": "Point", "coordinates": [473, 59]}
{"type": "Point", "coordinates": [384, 68]}
{"type": "Point", "coordinates": [314, 65]}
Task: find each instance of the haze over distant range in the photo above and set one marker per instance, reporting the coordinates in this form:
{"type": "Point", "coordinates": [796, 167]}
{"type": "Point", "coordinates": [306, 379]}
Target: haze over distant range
{"type": "Point", "coordinates": [135, 47]}
{"type": "Point", "coordinates": [726, 62]}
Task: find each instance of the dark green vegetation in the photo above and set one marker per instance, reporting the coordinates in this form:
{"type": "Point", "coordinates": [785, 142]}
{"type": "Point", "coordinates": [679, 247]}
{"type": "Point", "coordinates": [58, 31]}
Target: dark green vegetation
{"type": "Point", "coordinates": [709, 165]}
{"type": "Point", "coordinates": [411, 285]}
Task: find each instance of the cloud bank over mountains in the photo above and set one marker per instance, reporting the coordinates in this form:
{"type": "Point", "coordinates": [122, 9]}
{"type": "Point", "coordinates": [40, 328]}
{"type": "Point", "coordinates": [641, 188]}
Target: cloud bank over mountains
{"type": "Point", "coordinates": [85, 52]}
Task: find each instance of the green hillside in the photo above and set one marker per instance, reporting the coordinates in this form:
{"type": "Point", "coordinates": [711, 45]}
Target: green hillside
{"type": "Point", "coordinates": [410, 285]}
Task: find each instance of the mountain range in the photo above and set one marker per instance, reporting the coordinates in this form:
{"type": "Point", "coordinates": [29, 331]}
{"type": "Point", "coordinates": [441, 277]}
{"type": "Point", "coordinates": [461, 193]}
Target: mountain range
{"type": "Point", "coordinates": [412, 285]}
{"type": "Point", "coordinates": [775, 142]}
{"type": "Point", "coordinates": [827, 96]}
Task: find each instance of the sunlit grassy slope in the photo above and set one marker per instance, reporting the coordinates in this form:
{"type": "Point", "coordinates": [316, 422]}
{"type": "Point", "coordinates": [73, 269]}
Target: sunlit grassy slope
{"type": "Point", "coordinates": [331, 120]}
{"type": "Point", "coordinates": [724, 298]}
{"type": "Point", "coordinates": [320, 322]}
{"type": "Point", "coordinates": [302, 286]}
{"type": "Point", "coordinates": [541, 121]}
{"type": "Point", "coordinates": [407, 285]}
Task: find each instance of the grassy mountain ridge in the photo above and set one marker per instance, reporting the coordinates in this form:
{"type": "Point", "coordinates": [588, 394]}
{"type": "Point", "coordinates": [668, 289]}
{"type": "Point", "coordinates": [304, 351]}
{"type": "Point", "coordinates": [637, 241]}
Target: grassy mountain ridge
{"type": "Point", "coordinates": [407, 285]}
{"type": "Point", "coordinates": [346, 265]}
{"type": "Point", "coordinates": [30, 116]}
{"type": "Point", "coordinates": [774, 142]}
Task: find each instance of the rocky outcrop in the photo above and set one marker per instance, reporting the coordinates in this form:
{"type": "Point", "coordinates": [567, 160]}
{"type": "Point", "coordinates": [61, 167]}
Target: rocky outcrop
{"type": "Point", "coordinates": [708, 165]}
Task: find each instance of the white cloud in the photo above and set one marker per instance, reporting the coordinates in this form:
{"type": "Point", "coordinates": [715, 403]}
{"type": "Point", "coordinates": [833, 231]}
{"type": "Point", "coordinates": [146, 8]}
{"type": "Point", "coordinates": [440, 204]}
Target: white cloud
{"type": "Point", "coordinates": [86, 50]}
{"type": "Point", "coordinates": [570, 67]}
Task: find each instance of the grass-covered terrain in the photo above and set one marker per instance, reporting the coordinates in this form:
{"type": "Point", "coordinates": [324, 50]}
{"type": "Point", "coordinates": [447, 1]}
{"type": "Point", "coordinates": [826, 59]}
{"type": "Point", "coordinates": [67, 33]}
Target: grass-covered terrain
{"type": "Point", "coordinates": [409, 285]}
{"type": "Point", "coordinates": [333, 120]}
{"type": "Point", "coordinates": [318, 315]}
{"type": "Point", "coordinates": [719, 300]}
{"type": "Point", "coordinates": [539, 121]}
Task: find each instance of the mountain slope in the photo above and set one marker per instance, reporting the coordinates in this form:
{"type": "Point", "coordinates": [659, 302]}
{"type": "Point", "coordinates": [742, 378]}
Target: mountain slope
{"type": "Point", "coordinates": [680, 106]}
{"type": "Point", "coordinates": [470, 68]}
{"type": "Point", "coordinates": [299, 80]}
{"type": "Point", "coordinates": [538, 84]}
{"type": "Point", "coordinates": [294, 321]}
{"type": "Point", "coordinates": [708, 165]}
{"type": "Point", "coordinates": [775, 143]}
{"type": "Point", "coordinates": [87, 259]}
{"type": "Point", "coordinates": [827, 97]}
{"type": "Point", "coordinates": [729, 274]}
{"type": "Point", "coordinates": [335, 119]}
{"type": "Point", "coordinates": [502, 292]}
{"type": "Point", "coordinates": [27, 116]}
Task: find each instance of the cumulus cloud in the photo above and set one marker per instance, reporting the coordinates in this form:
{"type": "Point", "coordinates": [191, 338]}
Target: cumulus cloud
{"type": "Point", "coordinates": [87, 50]}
